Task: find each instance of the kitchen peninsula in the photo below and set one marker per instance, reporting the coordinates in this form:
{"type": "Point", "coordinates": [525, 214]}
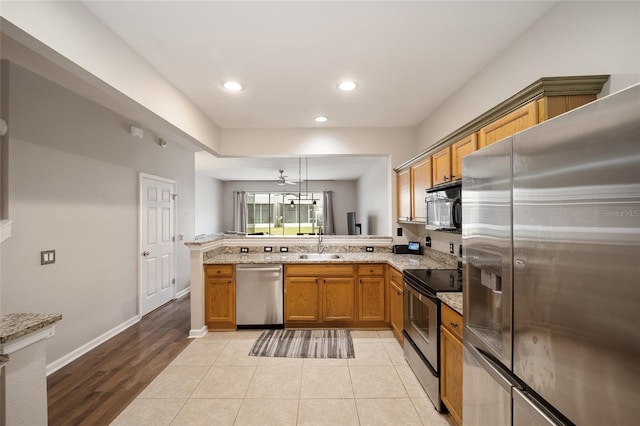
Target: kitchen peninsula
{"type": "Point", "coordinates": [352, 250]}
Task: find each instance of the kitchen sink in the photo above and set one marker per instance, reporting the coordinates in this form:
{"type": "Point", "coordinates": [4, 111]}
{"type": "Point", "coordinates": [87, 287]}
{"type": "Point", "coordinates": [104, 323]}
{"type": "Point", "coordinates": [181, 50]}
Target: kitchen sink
{"type": "Point", "coordinates": [319, 256]}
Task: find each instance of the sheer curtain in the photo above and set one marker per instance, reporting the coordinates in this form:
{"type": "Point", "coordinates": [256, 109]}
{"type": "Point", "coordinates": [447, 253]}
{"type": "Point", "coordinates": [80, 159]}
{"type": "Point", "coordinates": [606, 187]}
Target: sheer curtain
{"type": "Point", "coordinates": [240, 211]}
{"type": "Point", "coordinates": [327, 213]}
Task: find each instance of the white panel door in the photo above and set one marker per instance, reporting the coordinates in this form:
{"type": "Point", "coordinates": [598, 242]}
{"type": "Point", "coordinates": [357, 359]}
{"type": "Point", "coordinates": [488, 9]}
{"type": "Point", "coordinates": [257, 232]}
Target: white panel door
{"type": "Point", "coordinates": [156, 243]}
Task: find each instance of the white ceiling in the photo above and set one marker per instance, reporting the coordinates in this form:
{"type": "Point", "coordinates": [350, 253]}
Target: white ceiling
{"type": "Point", "coordinates": [406, 57]}
{"type": "Point", "coordinates": [266, 168]}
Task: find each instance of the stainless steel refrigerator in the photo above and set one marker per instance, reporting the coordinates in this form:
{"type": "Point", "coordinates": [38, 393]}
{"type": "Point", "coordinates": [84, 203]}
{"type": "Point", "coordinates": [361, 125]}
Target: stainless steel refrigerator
{"type": "Point", "coordinates": [551, 252]}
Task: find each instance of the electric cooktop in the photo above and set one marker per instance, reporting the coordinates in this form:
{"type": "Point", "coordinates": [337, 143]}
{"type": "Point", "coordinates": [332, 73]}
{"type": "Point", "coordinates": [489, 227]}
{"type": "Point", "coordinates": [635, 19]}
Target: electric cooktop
{"type": "Point", "coordinates": [433, 281]}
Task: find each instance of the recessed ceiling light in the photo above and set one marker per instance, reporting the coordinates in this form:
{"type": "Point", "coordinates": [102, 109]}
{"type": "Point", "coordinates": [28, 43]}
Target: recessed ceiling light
{"type": "Point", "coordinates": [320, 119]}
{"type": "Point", "coordinates": [233, 86]}
{"type": "Point", "coordinates": [347, 86]}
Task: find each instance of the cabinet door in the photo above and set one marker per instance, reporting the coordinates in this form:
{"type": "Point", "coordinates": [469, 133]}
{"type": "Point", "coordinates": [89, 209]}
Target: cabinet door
{"type": "Point", "coordinates": [337, 299]}
{"type": "Point", "coordinates": [302, 299]}
{"type": "Point", "coordinates": [459, 150]}
{"type": "Point", "coordinates": [514, 122]}
{"type": "Point", "coordinates": [396, 304]}
{"type": "Point", "coordinates": [403, 181]}
{"type": "Point", "coordinates": [421, 181]}
{"type": "Point", "coordinates": [220, 303]}
{"type": "Point", "coordinates": [442, 166]}
{"type": "Point", "coordinates": [371, 299]}
{"type": "Point", "coordinates": [451, 381]}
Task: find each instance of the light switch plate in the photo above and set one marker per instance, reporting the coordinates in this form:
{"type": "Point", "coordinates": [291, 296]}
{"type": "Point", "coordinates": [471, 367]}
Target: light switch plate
{"type": "Point", "coordinates": [47, 257]}
{"type": "Point", "coordinates": [284, 249]}
{"type": "Point", "coordinates": [268, 249]}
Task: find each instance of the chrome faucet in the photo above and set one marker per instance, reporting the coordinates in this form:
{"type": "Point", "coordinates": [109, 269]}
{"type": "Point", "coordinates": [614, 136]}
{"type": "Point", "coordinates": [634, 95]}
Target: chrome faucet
{"type": "Point", "coordinates": [320, 249]}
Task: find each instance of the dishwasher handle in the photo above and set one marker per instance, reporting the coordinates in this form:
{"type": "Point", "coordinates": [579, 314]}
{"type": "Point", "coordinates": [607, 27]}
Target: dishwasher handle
{"type": "Point", "coordinates": [250, 268]}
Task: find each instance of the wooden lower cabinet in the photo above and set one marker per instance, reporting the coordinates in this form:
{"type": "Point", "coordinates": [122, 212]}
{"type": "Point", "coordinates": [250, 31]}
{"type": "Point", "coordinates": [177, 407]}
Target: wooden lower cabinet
{"type": "Point", "coordinates": [220, 297]}
{"type": "Point", "coordinates": [335, 295]}
{"type": "Point", "coordinates": [451, 362]}
{"type": "Point", "coordinates": [316, 294]}
{"type": "Point", "coordinates": [371, 292]}
{"type": "Point", "coordinates": [396, 303]}
{"type": "Point", "coordinates": [337, 299]}
{"type": "Point", "coordinates": [302, 299]}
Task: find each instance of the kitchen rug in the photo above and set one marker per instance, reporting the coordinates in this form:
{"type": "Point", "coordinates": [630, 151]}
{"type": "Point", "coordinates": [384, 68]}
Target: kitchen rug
{"type": "Point", "coordinates": [304, 344]}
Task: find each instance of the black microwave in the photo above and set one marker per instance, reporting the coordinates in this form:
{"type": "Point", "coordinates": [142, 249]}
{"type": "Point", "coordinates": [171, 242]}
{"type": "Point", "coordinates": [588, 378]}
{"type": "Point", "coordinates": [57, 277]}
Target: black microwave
{"type": "Point", "coordinates": [444, 209]}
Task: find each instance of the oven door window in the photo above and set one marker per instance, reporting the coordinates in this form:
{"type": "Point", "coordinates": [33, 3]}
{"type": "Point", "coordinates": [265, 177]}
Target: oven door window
{"type": "Point", "coordinates": [419, 316]}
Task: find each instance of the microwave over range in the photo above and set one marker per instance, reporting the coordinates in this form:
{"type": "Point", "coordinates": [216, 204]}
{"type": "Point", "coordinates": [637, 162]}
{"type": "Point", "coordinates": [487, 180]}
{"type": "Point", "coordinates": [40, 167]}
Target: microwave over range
{"type": "Point", "coordinates": [444, 209]}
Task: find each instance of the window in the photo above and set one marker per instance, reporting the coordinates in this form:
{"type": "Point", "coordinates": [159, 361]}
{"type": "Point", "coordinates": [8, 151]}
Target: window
{"type": "Point", "coordinates": [284, 213]}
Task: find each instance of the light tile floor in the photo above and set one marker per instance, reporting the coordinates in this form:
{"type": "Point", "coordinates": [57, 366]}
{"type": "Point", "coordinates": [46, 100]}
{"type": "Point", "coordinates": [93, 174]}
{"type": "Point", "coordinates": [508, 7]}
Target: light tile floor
{"type": "Point", "coordinates": [214, 382]}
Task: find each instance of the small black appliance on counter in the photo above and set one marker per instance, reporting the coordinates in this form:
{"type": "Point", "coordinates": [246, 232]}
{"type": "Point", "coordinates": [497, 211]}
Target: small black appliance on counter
{"type": "Point", "coordinates": [413, 247]}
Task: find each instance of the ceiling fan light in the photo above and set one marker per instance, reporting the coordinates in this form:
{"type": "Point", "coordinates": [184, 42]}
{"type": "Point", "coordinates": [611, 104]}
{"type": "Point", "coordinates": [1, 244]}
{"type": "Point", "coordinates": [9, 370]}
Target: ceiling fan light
{"type": "Point", "coordinates": [292, 205]}
{"type": "Point", "coordinates": [320, 119]}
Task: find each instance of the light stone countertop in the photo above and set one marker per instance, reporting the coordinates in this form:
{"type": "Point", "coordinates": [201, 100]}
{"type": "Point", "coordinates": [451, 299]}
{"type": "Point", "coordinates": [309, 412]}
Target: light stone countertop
{"type": "Point", "coordinates": [453, 300]}
{"type": "Point", "coordinates": [398, 261]}
{"type": "Point", "coordinates": [18, 325]}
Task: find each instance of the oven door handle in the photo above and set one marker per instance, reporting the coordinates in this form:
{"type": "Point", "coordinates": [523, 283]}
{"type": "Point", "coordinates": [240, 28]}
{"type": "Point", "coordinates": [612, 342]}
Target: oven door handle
{"type": "Point", "coordinates": [418, 293]}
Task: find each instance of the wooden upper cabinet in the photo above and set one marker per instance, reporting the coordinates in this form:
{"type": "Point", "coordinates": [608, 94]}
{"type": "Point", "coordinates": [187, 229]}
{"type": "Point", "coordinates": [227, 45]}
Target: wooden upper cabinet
{"type": "Point", "coordinates": [442, 166]}
{"type": "Point", "coordinates": [552, 106]}
{"type": "Point", "coordinates": [459, 150]}
{"type": "Point", "coordinates": [514, 122]}
{"type": "Point", "coordinates": [421, 181]}
{"type": "Point", "coordinates": [403, 182]}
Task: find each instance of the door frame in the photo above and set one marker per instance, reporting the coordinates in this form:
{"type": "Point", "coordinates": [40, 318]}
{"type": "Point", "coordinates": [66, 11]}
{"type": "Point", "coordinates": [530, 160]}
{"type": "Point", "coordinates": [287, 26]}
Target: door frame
{"type": "Point", "coordinates": [174, 200]}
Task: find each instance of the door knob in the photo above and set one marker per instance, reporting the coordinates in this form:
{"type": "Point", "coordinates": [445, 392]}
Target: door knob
{"type": "Point", "coordinates": [145, 253]}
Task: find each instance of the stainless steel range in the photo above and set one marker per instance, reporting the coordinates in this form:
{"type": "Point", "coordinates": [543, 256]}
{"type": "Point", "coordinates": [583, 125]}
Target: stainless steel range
{"type": "Point", "coordinates": [422, 324]}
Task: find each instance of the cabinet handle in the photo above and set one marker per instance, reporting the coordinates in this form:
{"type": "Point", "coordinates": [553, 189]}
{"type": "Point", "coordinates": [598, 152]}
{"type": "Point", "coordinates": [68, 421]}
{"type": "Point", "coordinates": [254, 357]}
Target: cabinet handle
{"type": "Point", "coordinates": [398, 291]}
{"type": "Point", "coordinates": [453, 324]}
{"type": "Point", "coordinates": [446, 178]}
{"type": "Point", "coordinates": [371, 271]}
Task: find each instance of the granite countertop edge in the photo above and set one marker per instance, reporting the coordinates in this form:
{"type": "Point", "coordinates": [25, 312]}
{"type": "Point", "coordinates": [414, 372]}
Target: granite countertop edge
{"type": "Point", "coordinates": [17, 325]}
{"type": "Point", "coordinates": [453, 300]}
{"type": "Point", "coordinates": [398, 261]}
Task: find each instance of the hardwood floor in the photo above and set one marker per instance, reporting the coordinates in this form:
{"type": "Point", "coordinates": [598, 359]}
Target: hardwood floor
{"type": "Point", "coordinates": [96, 387]}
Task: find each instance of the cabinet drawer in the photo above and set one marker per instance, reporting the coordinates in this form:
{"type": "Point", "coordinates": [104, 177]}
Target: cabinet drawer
{"type": "Point", "coordinates": [395, 277]}
{"type": "Point", "coordinates": [324, 270]}
{"type": "Point", "coordinates": [212, 271]}
{"type": "Point", "coordinates": [451, 320]}
{"type": "Point", "coordinates": [370, 269]}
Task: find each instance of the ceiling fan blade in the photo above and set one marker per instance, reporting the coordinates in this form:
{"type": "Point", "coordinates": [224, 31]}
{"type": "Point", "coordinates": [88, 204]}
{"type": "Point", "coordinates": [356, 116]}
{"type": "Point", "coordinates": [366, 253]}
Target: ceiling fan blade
{"type": "Point", "coordinates": [290, 183]}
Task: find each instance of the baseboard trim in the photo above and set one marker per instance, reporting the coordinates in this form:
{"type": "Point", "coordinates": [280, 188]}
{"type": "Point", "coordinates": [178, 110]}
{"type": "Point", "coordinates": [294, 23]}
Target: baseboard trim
{"type": "Point", "coordinates": [183, 293]}
{"type": "Point", "coordinates": [197, 333]}
{"type": "Point", "coordinates": [73, 355]}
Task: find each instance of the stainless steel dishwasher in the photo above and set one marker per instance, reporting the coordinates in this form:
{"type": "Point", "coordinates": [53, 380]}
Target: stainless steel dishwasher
{"type": "Point", "coordinates": [259, 296]}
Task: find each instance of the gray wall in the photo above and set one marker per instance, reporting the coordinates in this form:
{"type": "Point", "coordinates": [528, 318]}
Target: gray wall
{"type": "Point", "coordinates": [209, 200]}
{"type": "Point", "coordinates": [374, 199]}
{"type": "Point", "coordinates": [73, 187]}
{"type": "Point", "coordinates": [344, 197]}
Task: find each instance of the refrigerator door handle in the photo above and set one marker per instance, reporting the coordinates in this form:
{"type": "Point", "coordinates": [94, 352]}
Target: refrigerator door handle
{"type": "Point", "coordinates": [491, 368]}
{"type": "Point", "coordinates": [533, 414]}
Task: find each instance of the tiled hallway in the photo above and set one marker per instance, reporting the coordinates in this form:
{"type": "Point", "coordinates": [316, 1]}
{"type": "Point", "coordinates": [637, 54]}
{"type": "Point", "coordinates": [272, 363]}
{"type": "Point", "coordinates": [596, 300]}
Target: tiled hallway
{"type": "Point", "coordinates": [214, 382]}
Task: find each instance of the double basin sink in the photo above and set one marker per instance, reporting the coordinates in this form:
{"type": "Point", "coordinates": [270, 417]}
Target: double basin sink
{"type": "Point", "coordinates": [319, 256]}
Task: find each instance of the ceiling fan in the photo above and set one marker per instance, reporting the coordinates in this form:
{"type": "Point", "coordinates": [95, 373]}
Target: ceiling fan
{"type": "Point", "coordinates": [282, 179]}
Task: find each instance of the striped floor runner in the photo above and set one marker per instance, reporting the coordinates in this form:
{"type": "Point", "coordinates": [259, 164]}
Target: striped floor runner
{"type": "Point", "coordinates": [304, 344]}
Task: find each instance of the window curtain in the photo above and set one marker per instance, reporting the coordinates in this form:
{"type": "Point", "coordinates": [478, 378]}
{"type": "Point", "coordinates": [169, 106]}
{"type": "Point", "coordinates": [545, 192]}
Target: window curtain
{"type": "Point", "coordinates": [240, 211]}
{"type": "Point", "coordinates": [327, 213]}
